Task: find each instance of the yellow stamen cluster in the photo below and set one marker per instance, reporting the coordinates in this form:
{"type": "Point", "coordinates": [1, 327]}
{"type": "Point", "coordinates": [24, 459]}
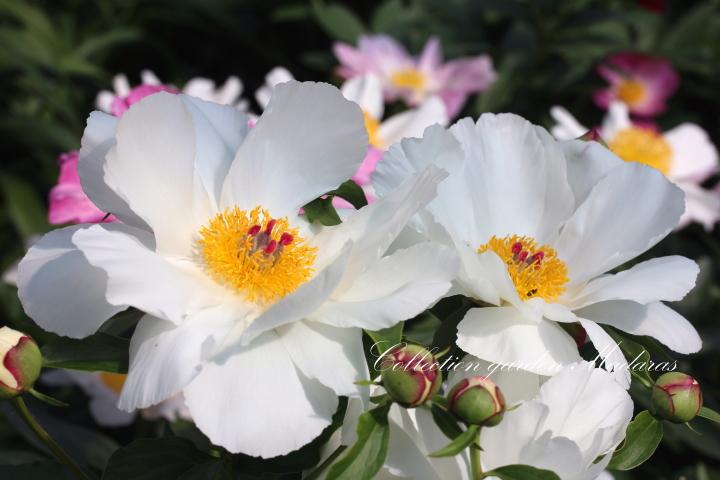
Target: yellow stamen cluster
{"type": "Point", "coordinates": [642, 145]}
{"type": "Point", "coordinates": [535, 271]}
{"type": "Point", "coordinates": [372, 125]}
{"type": "Point", "coordinates": [411, 78]}
{"type": "Point", "coordinates": [631, 92]}
{"type": "Point", "coordinates": [261, 258]}
{"type": "Point", "coordinates": [114, 381]}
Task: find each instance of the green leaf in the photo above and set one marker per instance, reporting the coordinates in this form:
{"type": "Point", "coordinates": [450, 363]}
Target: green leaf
{"type": "Point", "coordinates": [338, 21]}
{"type": "Point", "coordinates": [642, 437]}
{"type": "Point", "coordinates": [710, 414]}
{"type": "Point", "coordinates": [97, 353]}
{"type": "Point", "coordinates": [352, 192]}
{"type": "Point", "coordinates": [460, 443]}
{"type": "Point", "coordinates": [156, 459]}
{"type": "Point", "coordinates": [367, 456]}
{"type": "Point", "coordinates": [445, 421]}
{"type": "Point", "coordinates": [27, 213]}
{"type": "Point", "coordinates": [521, 472]}
{"type": "Point", "coordinates": [637, 356]}
{"type": "Point", "coordinates": [386, 338]}
{"type": "Point", "coordinates": [37, 471]}
{"type": "Point", "coordinates": [321, 210]}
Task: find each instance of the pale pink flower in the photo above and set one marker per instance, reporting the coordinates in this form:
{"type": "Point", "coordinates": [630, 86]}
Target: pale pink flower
{"type": "Point", "coordinates": [416, 79]}
{"type": "Point", "coordinates": [68, 202]}
{"type": "Point", "coordinates": [640, 81]}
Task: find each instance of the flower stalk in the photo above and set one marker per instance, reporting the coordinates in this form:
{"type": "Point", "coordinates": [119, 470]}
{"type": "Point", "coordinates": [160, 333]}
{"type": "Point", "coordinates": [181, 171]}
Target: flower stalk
{"type": "Point", "coordinates": [45, 437]}
{"type": "Point", "coordinates": [476, 472]}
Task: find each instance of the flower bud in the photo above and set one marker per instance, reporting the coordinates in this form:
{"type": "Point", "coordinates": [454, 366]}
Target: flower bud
{"type": "Point", "coordinates": [477, 401]}
{"type": "Point", "coordinates": [21, 363]}
{"type": "Point", "coordinates": [676, 397]}
{"type": "Point", "coordinates": [410, 375]}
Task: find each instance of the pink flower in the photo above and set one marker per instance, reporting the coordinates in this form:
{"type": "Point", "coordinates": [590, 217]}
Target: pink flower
{"type": "Point", "coordinates": [362, 177]}
{"type": "Point", "coordinates": [642, 82]}
{"type": "Point", "coordinates": [68, 202]}
{"type": "Point", "coordinates": [416, 79]}
{"type": "Point", "coordinates": [120, 105]}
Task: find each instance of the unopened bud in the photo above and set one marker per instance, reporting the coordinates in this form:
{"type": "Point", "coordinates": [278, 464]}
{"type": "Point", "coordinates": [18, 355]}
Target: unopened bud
{"type": "Point", "coordinates": [21, 363]}
{"type": "Point", "coordinates": [676, 397]}
{"type": "Point", "coordinates": [477, 401]}
{"type": "Point", "coordinates": [410, 375]}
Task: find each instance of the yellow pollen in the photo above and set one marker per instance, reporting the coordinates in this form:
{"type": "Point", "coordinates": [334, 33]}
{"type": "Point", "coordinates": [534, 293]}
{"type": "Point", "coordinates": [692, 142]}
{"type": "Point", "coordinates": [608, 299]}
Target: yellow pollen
{"type": "Point", "coordinates": [642, 145]}
{"type": "Point", "coordinates": [631, 92]}
{"type": "Point", "coordinates": [535, 271]}
{"type": "Point", "coordinates": [411, 78]}
{"type": "Point", "coordinates": [261, 258]}
{"type": "Point", "coordinates": [372, 125]}
{"type": "Point", "coordinates": [114, 381]}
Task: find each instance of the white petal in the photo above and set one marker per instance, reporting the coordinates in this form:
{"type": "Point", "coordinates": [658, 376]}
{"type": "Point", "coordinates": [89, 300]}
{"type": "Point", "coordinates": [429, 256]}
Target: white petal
{"type": "Point", "coordinates": [308, 131]}
{"type": "Point", "coordinates": [148, 77]}
{"type": "Point", "coordinates": [654, 319]}
{"type": "Point", "coordinates": [630, 209]}
{"type": "Point", "coordinates": [275, 77]}
{"type": "Point", "coordinates": [60, 290]}
{"type": "Point", "coordinates": [152, 166]}
{"type": "Point", "coordinates": [413, 122]}
{"type": "Point", "coordinates": [503, 335]}
{"type": "Point", "coordinates": [702, 206]}
{"type": "Point", "coordinates": [366, 91]}
{"type": "Point", "coordinates": [121, 85]}
{"type": "Point", "coordinates": [393, 289]}
{"type": "Point", "coordinates": [587, 163]}
{"type": "Point", "coordinates": [312, 345]}
{"type": "Point", "coordinates": [517, 177]}
{"type": "Point", "coordinates": [694, 156]}
{"type": "Point", "coordinates": [139, 277]}
{"type": "Point", "coordinates": [665, 278]}
{"type": "Point", "coordinates": [257, 403]}
{"type": "Point", "coordinates": [567, 127]}
{"type": "Point", "coordinates": [104, 101]}
{"type": "Point", "coordinates": [613, 359]}
{"type": "Point", "coordinates": [617, 118]}
{"type": "Point", "coordinates": [97, 140]}
{"type": "Point", "coordinates": [164, 358]}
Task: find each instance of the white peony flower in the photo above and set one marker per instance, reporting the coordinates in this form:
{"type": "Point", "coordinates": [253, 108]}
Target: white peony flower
{"type": "Point", "coordinates": [246, 304]}
{"type": "Point", "coordinates": [684, 154]}
{"type": "Point", "coordinates": [564, 425]}
{"type": "Point", "coordinates": [538, 224]}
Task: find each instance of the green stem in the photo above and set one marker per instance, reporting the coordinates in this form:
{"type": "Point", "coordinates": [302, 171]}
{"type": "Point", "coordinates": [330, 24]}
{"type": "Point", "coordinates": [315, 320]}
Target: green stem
{"type": "Point", "coordinates": [316, 473]}
{"type": "Point", "coordinates": [476, 472]}
{"type": "Point", "coordinates": [59, 453]}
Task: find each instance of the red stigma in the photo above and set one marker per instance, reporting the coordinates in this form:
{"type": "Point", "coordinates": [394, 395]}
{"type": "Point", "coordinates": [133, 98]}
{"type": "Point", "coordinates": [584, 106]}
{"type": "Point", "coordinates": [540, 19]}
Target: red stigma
{"type": "Point", "coordinates": [270, 247]}
{"type": "Point", "coordinates": [523, 255]}
{"type": "Point", "coordinates": [517, 248]}
{"type": "Point", "coordinates": [254, 230]}
{"type": "Point", "coordinates": [286, 239]}
{"type": "Point", "coordinates": [270, 226]}
{"type": "Point", "coordinates": [538, 257]}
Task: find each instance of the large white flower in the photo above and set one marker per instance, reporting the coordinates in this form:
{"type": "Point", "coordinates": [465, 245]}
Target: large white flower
{"type": "Point", "coordinates": [684, 154]}
{"type": "Point", "coordinates": [537, 224]}
{"type": "Point", "coordinates": [564, 425]}
{"type": "Point", "coordinates": [246, 304]}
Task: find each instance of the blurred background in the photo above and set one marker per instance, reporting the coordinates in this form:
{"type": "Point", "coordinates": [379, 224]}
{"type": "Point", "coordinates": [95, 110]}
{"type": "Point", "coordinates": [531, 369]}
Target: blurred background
{"type": "Point", "coordinates": [56, 55]}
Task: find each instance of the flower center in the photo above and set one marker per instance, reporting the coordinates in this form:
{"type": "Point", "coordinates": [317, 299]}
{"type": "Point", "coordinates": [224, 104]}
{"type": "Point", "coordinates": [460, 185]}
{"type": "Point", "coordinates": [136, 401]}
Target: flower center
{"type": "Point", "coordinates": [260, 257]}
{"type": "Point", "coordinates": [642, 145]}
{"type": "Point", "coordinates": [372, 125]}
{"type": "Point", "coordinates": [631, 92]}
{"type": "Point", "coordinates": [411, 78]}
{"type": "Point", "coordinates": [535, 271]}
{"type": "Point", "coordinates": [114, 381]}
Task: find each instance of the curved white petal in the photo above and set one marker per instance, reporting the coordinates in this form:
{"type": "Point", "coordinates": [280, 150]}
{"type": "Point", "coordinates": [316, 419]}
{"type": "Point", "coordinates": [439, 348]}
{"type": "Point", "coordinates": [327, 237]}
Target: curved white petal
{"type": "Point", "coordinates": [267, 408]}
{"type": "Point", "coordinates": [667, 279]}
{"type": "Point", "coordinates": [587, 163]}
{"type": "Point", "coordinates": [308, 131]}
{"type": "Point", "coordinates": [694, 155]}
{"type": "Point", "coordinates": [567, 127]}
{"type": "Point", "coordinates": [617, 118]}
{"type": "Point", "coordinates": [702, 206]}
{"type": "Point", "coordinates": [517, 177]}
{"type": "Point", "coordinates": [413, 122]}
{"type": "Point", "coordinates": [630, 209]}
{"type": "Point", "coordinates": [164, 357]}
{"type": "Point", "coordinates": [140, 277]}
{"type": "Point", "coordinates": [97, 140]}
{"type": "Point", "coordinates": [654, 319]}
{"type": "Point", "coordinates": [334, 356]}
{"type": "Point", "coordinates": [395, 288]}
{"type": "Point", "coordinates": [60, 290]}
{"type": "Point", "coordinates": [273, 78]}
{"type": "Point", "coordinates": [613, 359]}
{"type": "Point", "coordinates": [503, 335]}
{"type": "Point", "coordinates": [366, 91]}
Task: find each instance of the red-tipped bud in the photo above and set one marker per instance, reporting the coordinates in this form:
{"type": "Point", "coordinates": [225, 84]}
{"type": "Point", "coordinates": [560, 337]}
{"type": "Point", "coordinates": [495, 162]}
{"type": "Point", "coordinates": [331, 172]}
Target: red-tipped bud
{"type": "Point", "coordinates": [21, 363]}
{"type": "Point", "coordinates": [676, 397]}
{"type": "Point", "coordinates": [410, 375]}
{"type": "Point", "coordinates": [477, 401]}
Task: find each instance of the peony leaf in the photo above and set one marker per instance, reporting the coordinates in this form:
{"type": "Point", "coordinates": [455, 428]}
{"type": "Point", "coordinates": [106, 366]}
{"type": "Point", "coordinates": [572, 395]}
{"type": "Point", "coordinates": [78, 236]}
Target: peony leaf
{"type": "Point", "coordinates": [338, 21]}
{"type": "Point", "coordinates": [100, 352]}
{"type": "Point", "coordinates": [367, 456]}
{"type": "Point", "coordinates": [710, 414]}
{"type": "Point", "coordinates": [461, 442]}
{"type": "Point", "coordinates": [642, 437]}
{"type": "Point", "coordinates": [521, 472]}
